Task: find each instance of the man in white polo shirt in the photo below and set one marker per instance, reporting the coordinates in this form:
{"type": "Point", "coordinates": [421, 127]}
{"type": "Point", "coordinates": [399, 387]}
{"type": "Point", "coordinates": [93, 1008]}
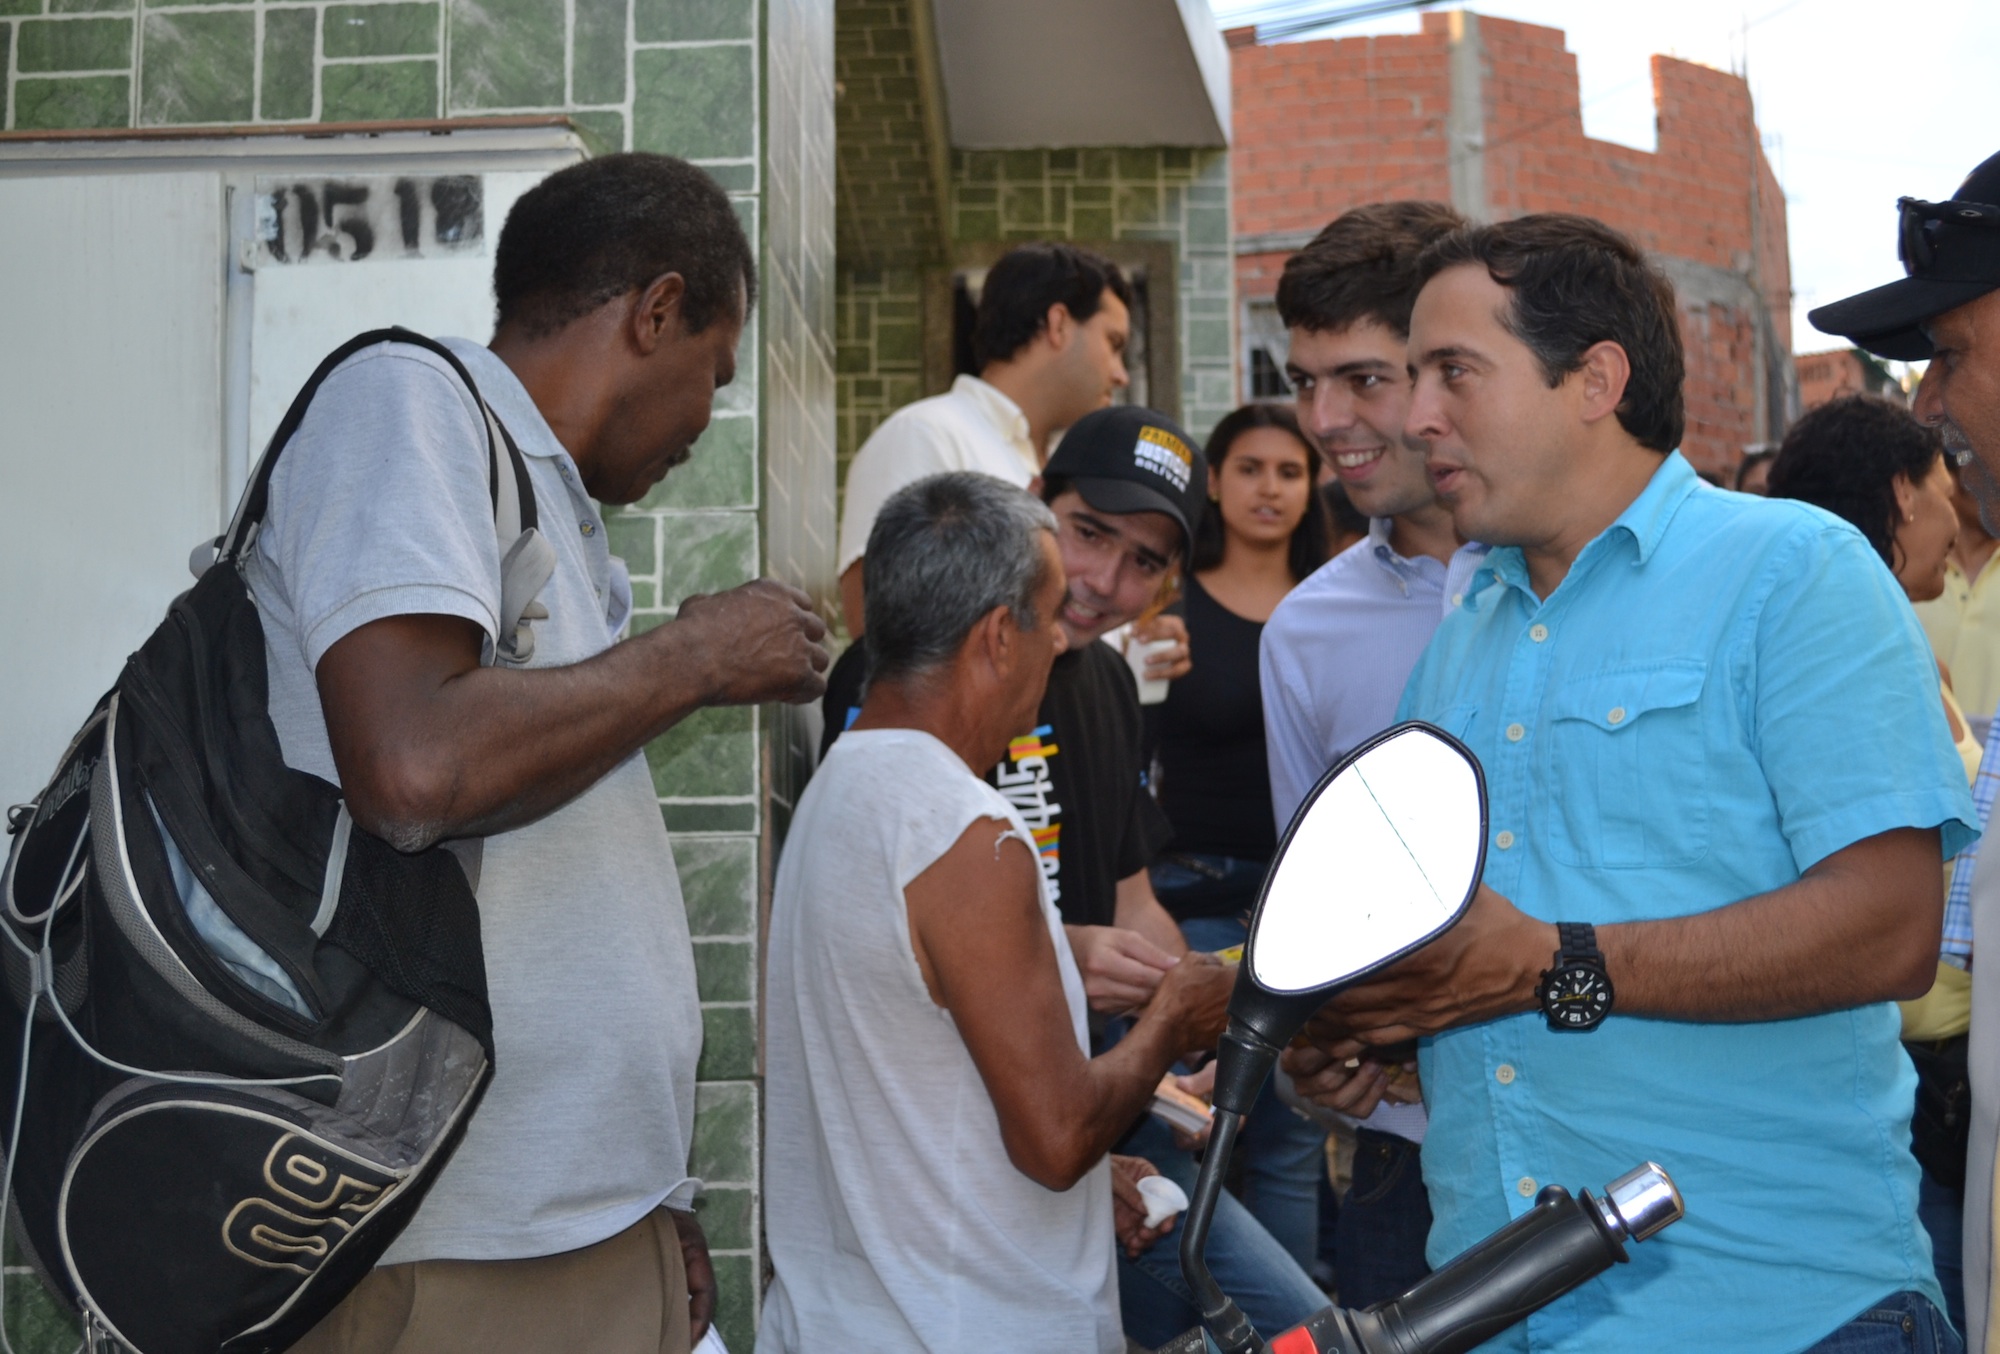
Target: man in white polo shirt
{"type": "Point", "coordinates": [1050, 342]}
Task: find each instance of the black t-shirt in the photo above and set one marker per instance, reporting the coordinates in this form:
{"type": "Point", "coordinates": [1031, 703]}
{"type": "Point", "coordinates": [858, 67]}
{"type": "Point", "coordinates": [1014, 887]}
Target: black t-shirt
{"type": "Point", "coordinates": [1214, 783]}
{"type": "Point", "coordinates": [1079, 779]}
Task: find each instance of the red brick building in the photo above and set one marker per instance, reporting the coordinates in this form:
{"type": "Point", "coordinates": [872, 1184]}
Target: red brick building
{"type": "Point", "coordinates": [1842, 371]}
{"type": "Point", "coordinates": [1484, 113]}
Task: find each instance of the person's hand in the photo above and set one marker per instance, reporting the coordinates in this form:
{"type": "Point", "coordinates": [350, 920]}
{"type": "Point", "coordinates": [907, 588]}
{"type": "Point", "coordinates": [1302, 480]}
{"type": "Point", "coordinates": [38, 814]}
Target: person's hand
{"type": "Point", "coordinates": [1121, 969]}
{"type": "Point", "coordinates": [761, 643]}
{"type": "Point", "coordinates": [1351, 1085]}
{"type": "Point", "coordinates": [1128, 1206]}
{"type": "Point", "coordinates": [1168, 664]}
{"type": "Point", "coordinates": [700, 1274]}
{"type": "Point", "coordinates": [1486, 965]}
{"type": "Point", "coordinates": [1200, 1085]}
{"type": "Point", "coordinates": [1194, 997]}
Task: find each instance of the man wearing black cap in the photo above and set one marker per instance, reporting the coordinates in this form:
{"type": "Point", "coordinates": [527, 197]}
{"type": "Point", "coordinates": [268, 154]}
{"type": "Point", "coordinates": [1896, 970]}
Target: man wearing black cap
{"type": "Point", "coordinates": [1126, 486]}
{"type": "Point", "coordinates": [1947, 309]}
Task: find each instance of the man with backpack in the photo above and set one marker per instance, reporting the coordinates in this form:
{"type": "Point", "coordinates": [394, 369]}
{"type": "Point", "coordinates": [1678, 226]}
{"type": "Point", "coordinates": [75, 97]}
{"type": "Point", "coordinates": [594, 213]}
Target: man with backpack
{"type": "Point", "coordinates": [622, 284]}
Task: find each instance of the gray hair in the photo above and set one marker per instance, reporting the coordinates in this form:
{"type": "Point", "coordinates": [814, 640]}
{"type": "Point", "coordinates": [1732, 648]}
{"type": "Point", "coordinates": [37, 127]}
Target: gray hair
{"type": "Point", "coordinates": [944, 552]}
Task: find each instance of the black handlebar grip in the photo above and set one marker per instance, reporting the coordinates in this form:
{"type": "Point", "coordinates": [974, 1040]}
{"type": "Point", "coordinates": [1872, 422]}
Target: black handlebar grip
{"type": "Point", "coordinates": [1558, 1244]}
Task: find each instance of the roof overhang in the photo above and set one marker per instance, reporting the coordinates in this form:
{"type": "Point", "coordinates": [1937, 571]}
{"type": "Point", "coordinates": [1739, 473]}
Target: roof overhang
{"type": "Point", "coordinates": [1033, 73]}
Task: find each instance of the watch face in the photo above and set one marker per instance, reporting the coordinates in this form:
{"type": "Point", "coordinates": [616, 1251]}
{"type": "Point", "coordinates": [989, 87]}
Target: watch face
{"type": "Point", "coordinates": [1576, 996]}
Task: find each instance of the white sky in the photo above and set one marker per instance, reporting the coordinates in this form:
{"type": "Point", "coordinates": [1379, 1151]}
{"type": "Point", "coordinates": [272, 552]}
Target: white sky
{"type": "Point", "coordinates": [1860, 102]}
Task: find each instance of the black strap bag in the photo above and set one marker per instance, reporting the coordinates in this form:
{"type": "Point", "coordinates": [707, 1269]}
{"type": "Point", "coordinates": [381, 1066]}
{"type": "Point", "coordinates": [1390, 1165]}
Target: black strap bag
{"type": "Point", "coordinates": [243, 1035]}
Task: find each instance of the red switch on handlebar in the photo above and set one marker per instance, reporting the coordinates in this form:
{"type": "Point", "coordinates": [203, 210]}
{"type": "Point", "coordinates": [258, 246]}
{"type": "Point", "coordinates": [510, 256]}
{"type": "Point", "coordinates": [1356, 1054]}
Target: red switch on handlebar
{"type": "Point", "coordinates": [1295, 1341]}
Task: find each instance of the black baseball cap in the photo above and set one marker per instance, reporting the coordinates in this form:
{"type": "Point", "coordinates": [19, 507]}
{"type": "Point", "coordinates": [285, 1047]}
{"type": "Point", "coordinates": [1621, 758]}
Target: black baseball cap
{"type": "Point", "coordinates": [1127, 459]}
{"type": "Point", "coordinates": [1951, 255]}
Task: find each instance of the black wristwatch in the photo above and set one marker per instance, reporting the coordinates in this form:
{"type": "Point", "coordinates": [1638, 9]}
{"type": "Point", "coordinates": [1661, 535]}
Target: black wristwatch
{"type": "Point", "coordinates": [1576, 992]}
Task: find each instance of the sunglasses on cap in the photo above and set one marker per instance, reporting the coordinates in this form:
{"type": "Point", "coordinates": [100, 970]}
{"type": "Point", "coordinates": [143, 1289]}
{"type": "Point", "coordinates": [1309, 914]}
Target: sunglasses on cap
{"type": "Point", "coordinates": [1923, 222]}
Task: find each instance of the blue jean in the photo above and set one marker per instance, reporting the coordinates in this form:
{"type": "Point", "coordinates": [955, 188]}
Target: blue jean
{"type": "Point", "coordinates": [1384, 1222]}
{"type": "Point", "coordinates": [1902, 1323]}
{"type": "Point", "coordinates": [1252, 1268]}
{"type": "Point", "coordinates": [1283, 1152]}
{"type": "Point", "coordinates": [1942, 1211]}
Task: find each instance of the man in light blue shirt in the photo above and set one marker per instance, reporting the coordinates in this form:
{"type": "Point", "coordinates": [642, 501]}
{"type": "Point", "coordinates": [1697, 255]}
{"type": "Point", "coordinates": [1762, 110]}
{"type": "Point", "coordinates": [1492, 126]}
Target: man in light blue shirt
{"type": "Point", "coordinates": [1338, 649]}
{"type": "Point", "coordinates": [1710, 731]}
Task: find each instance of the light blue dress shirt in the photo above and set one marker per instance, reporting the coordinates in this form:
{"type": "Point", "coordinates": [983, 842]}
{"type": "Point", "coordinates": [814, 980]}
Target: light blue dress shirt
{"type": "Point", "coordinates": [1724, 691]}
{"type": "Point", "coordinates": [1332, 664]}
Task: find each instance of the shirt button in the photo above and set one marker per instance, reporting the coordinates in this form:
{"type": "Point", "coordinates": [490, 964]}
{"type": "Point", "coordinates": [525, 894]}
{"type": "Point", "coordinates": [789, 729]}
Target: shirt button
{"type": "Point", "coordinates": [1504, 1074]}
{"type": "Point", "coordinates": [1525, 1187]}
{"type": "Point", "coordinates": [1458, 599]}
{"type": "Point", "coordinates": [1504, 841]}
{"type": "Point", "coordinates": [1538, 633]}
{"type": "Point", "coordinates": [1515, 733]}
{"type": "Point", "coordinates": [1617, 715]}
{"type": "Point", "coordinates": [589, 528]}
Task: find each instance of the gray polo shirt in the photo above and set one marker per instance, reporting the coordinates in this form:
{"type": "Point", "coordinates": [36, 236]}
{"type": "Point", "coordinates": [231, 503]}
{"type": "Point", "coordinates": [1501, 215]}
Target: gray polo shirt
{"type": "Point", "coordinates": [379, 508]}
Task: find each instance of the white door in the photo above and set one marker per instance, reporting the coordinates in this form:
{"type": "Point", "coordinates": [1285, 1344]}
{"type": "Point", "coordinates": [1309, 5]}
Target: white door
{"type": "Point", "coordinates": [110, 428]}
{"type": "Point", "coordinates": [152, 335]}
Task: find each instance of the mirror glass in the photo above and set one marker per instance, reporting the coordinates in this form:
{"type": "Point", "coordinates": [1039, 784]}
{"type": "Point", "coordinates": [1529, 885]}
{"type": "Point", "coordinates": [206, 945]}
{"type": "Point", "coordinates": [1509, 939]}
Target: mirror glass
{"type": "Point", "coordinates": [1384, 856]}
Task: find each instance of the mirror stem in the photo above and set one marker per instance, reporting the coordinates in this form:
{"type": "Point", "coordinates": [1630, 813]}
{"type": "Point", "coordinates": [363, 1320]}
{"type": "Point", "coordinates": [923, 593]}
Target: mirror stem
{"type": "Point", "coordinates": [1242, 1062]}
{"type": "Point", "coordinates": [1231, 1330]}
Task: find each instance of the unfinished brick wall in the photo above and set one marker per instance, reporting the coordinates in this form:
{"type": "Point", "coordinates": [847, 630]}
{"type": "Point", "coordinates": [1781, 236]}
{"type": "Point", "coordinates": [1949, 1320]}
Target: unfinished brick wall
{"type": "Point", "coordinates": [1324, 126]}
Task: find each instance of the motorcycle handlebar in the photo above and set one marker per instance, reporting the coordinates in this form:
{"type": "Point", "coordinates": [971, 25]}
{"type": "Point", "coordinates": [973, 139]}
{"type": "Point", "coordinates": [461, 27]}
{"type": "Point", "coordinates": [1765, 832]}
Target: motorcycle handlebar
{"type": "Point", "coordinates": [1559, 1244]}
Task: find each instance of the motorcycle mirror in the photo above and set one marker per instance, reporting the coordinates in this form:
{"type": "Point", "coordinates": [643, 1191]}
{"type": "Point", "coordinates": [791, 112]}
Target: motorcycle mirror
{"type": "Point", "coordinates": [1381, 859]}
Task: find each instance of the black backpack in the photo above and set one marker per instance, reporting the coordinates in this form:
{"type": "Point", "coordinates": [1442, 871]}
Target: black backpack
{"type": "Point", "coordinates": [244, 1036]}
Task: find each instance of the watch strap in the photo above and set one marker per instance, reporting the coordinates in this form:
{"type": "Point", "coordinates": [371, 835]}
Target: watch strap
{"type": "Point", "coordinates": [1577, 941]}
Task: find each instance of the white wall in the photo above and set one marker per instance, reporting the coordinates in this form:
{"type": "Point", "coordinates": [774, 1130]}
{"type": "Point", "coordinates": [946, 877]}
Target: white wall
{"type": "Point", "coordinates": [147, 351]}
{"type": "Point", "coordinates": [110, 423]}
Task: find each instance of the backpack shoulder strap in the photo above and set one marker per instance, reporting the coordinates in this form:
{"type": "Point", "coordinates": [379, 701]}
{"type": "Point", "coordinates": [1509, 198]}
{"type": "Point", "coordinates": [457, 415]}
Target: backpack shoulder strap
{"type": "Point", "coordinates": [513, 494]}
{"type": "Point", "coordinates": [527, 560]}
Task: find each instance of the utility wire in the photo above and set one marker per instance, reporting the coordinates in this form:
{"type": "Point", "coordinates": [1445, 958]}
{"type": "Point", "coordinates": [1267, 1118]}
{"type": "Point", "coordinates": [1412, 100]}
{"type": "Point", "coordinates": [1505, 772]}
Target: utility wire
{"type": "Point", "coordinates": [1275, 23]}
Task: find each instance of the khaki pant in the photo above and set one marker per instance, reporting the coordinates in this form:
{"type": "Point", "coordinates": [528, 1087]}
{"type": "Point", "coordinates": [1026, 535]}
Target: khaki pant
{"type": "Point", "coordinates": [625, 1295]}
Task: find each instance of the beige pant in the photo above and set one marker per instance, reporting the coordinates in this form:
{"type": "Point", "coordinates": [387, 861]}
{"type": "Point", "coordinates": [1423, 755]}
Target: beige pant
{"type": "Point", "coordinates": [625, 1295]}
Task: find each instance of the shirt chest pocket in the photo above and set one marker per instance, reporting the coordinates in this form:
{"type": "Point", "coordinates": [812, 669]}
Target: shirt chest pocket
{"type": "Point", "coordinates": [1628, 767]}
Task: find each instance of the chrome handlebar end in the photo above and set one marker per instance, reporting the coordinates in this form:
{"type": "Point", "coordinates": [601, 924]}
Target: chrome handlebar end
{"type": "Point", "coordinates": [1640, 1202]}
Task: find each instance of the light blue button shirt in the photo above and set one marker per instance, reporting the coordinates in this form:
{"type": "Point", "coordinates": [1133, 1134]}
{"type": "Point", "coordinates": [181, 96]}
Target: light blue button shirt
{"type": "Point", "coordinates": [1724, 691]}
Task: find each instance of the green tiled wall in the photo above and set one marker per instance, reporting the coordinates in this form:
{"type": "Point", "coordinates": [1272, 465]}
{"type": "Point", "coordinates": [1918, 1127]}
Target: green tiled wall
{"type": "Point", "coordinates": [676, 75]}
{"type": "Point", "coordinates": [879, 328]}
{"type": "Point", "coordinates": [744, 88]}
{"type": "Point", "coordinates": [1180, 196]}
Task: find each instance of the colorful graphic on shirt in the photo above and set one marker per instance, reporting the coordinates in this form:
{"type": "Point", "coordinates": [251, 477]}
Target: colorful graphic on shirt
{"type": "Point", "coordinates": [1024, 779]}
{"type": "Point", "coordinates": [1165, 455]}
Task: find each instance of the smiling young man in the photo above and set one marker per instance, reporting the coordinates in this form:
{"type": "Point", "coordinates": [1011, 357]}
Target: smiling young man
{"type": "Point", "coordinates": [1339, 648]}
{"type": "Point", "coordinates": [1718, 783]}
{"type": "Point", "coordinates": [622, 286]}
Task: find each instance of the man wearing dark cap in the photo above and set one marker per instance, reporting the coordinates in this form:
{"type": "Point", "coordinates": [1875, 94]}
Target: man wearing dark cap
{"type": "Point", "coordinates": [1126, 486]}
{"type": "Point", "coordinates": [1946, 308]}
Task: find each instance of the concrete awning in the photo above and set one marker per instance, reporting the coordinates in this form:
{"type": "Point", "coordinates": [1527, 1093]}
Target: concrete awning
{"type": "Point", "coordinates": [1032, 73]}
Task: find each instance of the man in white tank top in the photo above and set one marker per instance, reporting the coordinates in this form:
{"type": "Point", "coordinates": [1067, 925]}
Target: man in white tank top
{"type": "Point", "coordinates": [936, 1170]}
